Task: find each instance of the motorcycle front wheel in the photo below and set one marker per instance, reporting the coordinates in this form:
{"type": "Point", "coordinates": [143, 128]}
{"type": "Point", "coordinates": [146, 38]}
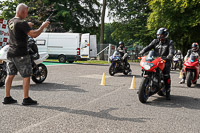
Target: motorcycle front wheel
{"type": "Point", "coordinates": [40, 74]}
{"type": "Point", "coordinates": [112, 70]}
{"type": "Point", "coordinates": [176, 65]}
{"type": "Point", "coordinates": [144, 90]}
{"type": "Point", "coordinates": [127, 69]}
{"type": "Point", "coordinates": [189, 78]}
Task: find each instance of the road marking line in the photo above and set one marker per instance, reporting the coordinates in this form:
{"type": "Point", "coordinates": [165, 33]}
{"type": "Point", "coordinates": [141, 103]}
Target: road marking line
{"type": "Point", "coordinates": [94, 76]}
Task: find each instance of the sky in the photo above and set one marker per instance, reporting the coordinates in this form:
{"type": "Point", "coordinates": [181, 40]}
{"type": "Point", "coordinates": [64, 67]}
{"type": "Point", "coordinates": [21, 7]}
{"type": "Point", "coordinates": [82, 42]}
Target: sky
{"type": "Point", "coordinates": [107, 20]}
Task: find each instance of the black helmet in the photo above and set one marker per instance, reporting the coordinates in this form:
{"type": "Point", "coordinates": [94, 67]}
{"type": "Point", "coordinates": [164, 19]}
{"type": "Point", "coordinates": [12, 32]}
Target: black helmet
{"type": "Point", "coordinates": [195, 46]}
{"type": "Point", "coordinates": [121, 43]}
{"type": "Point", "coordinates": [179, 52]}
{"type": "Point", "coordinates": [164, 32]}
{"type": "Point", "coordinates": [31, 40]}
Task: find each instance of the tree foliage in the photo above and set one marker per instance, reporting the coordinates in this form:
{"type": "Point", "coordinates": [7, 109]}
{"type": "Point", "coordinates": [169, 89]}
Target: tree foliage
{"type": "Point", "coordinates": [131, 19]}
{"type": "Point", "coordinates": [75, 15]}
{"type": "Point", "coordinates": [181, 17]}
{"type": "Point", "coordinates": [136, 21]}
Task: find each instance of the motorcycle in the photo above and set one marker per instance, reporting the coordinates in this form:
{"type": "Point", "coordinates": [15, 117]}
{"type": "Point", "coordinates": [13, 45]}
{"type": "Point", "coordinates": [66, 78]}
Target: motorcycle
{"type": "Point", "coordinates": [118, 65]}
{"type": "Point", "coordinates": [177, 63]}
{"type": "Point", "coordinates": [191, 68]}
{"type": "Point", "coordinates": [39, 69]}
{"type": "Point", "coordinates": [153, 79]}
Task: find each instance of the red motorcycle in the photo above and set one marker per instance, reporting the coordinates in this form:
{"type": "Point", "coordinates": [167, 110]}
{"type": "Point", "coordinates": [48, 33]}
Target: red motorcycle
{"type": "Point", "coordinates": [153, 80]}
{"type": "Point", "coordinates": [191, 68]}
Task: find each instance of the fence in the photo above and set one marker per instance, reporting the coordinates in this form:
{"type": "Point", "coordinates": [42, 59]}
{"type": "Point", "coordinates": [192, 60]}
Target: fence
{"type": "Point", "coordinates": [109, 49]}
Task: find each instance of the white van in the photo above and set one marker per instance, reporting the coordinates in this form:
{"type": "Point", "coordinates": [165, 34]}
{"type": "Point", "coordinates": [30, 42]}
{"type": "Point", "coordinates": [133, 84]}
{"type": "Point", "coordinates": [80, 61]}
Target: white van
{"type": "Point", "coordinates": [68, 47]}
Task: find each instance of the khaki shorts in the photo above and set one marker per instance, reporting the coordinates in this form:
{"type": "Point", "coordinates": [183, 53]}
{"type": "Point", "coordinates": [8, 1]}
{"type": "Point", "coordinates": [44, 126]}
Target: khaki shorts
{"type": "Point", "coordinates": [20, 64]}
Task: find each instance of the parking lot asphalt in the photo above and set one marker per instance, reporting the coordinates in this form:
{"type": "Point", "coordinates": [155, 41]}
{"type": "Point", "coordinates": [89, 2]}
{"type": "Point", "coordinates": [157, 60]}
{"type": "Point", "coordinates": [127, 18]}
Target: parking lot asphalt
{"type": "Point", "coordinates": [71, 100]}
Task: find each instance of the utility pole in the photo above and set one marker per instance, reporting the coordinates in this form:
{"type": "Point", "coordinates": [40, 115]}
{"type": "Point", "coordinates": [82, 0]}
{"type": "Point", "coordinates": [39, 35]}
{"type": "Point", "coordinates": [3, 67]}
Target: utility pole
{"type": "Point", "coordinates": [102, 30]}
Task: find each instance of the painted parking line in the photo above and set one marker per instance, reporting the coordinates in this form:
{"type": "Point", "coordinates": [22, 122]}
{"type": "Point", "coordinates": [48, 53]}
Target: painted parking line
{"type": "Point", "coordinates": [94, 76]}
{"type": "Point", "coordinates": [55, 63]}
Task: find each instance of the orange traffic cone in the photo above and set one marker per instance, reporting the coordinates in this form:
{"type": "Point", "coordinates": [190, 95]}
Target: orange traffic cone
{"type": "Point", "coordinates": [181, 74]}
{"type": "Point", "coordinates": [103, 82]}
{"type": "Point", "coordinates": [133, 84]}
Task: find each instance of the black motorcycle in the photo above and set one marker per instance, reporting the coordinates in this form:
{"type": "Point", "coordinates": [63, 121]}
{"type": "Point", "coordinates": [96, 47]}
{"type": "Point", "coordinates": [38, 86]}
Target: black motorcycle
{"type": "Point", "coordinates": [118, 65]}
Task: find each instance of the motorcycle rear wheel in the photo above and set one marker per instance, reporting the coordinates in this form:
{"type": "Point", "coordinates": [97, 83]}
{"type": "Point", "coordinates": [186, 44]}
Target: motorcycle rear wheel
{"type": "Point", "coordinates": [41, 75]}
{"type": "Point", "coordinates": [112, 70]}
{"type": "Point", "coordinates": [189, 78]}
{"type": "Point", "coordinates": [3, 75]}
{"type": "Point", "coordinates": [144, 91]}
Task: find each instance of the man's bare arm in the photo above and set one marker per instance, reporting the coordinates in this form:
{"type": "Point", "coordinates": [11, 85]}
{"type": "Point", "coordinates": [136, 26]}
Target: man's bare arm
{"type": "Point", "coordinates": [36, 33]}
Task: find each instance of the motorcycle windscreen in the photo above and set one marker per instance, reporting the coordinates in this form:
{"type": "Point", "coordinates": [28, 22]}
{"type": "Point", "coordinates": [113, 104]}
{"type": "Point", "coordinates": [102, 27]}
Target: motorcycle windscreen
{"type": "Point", "coordinates": [116, 55]}
{"type": "Point", "coordinates": [151, 55]}
{"type": "Point", "coordinates": [193, 57]}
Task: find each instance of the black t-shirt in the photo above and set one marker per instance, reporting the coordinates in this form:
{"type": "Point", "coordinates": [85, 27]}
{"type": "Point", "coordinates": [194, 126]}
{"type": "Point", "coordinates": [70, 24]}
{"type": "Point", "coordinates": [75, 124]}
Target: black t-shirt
{"type": "Point", "coordinates": [18, 30]}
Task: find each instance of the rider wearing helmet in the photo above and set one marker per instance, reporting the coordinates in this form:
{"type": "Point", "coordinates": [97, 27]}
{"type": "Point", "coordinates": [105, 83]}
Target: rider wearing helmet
{"type": "Point", "coordinates": [179, 56]}
{"type": "Point", "coordinates": [165, 48]}
{"type": "Point", "coordinates": [123, 52]}
{"type": "Point", "coordinates": [195, 48]}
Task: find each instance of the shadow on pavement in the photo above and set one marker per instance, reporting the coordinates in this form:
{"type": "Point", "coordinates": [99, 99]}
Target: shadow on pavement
{"type": "Point", "coordinates": [104, 114]}
{"type": "Point", "coordinates": [184, 86]}
{"type": "Point", "coordinates": [51, 87]}
{"type": "Point", "coordinates": [176, 102]}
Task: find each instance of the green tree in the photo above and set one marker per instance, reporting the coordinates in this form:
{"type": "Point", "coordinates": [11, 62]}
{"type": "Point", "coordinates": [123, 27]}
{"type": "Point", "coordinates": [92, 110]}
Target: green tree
{"type": "Point", "coordinates": [68, 15]}
{"type": "Point", "coordinates": [131, 20]}
{"type": "Point", "coordinates": [109, 29]}
{"type": "Point", "coordinates": [181, 17]}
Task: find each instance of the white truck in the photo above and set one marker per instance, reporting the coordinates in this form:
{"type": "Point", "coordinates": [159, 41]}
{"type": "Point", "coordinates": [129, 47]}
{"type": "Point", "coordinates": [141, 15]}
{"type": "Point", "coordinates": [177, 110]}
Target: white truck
{"type": "Point", "coordinates": [68, 47]}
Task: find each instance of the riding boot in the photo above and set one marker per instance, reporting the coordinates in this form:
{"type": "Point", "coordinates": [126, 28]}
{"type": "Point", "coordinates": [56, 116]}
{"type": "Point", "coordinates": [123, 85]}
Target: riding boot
{"type": "Point", "coordinates": [182, 81]}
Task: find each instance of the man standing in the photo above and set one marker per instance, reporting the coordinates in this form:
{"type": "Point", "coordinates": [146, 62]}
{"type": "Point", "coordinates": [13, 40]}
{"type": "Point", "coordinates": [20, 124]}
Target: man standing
{"type": "Point", "coordinates": [18, 55]}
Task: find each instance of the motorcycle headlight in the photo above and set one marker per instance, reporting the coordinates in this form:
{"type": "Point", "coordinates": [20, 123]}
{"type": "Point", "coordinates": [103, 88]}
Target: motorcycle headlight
{"type": "Point", "coordinates": [117, 57]}
{"type": "Point", "coordinates": [147, 66]}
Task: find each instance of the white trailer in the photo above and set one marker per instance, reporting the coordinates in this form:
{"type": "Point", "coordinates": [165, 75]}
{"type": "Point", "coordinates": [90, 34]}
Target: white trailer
{"type": "Point", "coordinates": [68, 47]}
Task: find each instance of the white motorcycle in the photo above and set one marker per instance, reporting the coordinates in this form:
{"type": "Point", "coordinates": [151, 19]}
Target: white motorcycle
{"type": "Point", "coordinates": [177, 62]}
{"type": "Point", "coordinates": [39, 70]}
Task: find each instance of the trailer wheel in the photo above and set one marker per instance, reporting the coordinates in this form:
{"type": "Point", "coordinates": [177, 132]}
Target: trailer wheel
{"type": "Point", "coordinates": [62, 59]}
